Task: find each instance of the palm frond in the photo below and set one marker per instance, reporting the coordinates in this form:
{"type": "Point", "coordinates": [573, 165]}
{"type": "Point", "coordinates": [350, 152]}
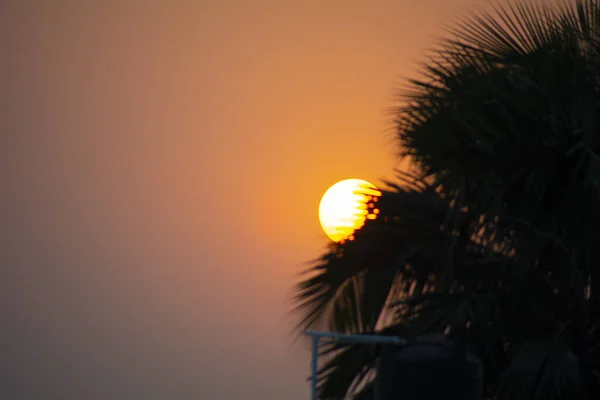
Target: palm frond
{"type": "Point", "coordinates": [542, 369]}
{"type": "Point", "coordinates": [494, 240]}
{"type": "Point", "coordinates": [347, 370]}
{"type": "Point", "coordinates": [352, 282]}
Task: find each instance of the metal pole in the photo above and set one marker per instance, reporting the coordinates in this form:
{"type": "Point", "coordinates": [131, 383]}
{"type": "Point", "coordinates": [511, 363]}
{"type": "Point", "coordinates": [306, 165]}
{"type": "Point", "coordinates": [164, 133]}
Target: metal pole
{"type": "Point", "coordinates": [355, 338]}
{"type": "Point", "coordinates": [315, 365]}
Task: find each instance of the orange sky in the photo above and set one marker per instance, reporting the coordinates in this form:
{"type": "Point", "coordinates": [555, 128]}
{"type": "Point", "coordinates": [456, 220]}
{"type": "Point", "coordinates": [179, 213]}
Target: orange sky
{"type": "Point", "coordinates": [161, 170]}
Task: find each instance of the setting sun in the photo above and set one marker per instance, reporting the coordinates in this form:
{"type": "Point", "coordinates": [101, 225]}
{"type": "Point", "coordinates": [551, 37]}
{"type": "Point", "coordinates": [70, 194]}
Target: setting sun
{"type": "Point", "coordinates": [344, 208]}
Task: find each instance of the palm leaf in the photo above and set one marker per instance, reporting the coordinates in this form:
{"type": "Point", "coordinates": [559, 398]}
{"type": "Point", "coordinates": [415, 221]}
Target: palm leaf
{"type": "Point", "coordinates": [494, 240]}
{"type": "Point", "coordinates": [542, 369]}
{"type": "Point", "coordinates": [353, 280]}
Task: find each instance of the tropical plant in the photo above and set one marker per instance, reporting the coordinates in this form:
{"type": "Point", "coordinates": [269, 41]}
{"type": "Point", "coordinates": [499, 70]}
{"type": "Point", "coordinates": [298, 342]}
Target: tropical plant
{"type": "Point", "coordinates": [495, 240]}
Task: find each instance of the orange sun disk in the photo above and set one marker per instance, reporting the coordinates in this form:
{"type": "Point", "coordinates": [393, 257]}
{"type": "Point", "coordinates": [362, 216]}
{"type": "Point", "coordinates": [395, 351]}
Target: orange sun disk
{"type": "Point", "coordinates": [345, 206]}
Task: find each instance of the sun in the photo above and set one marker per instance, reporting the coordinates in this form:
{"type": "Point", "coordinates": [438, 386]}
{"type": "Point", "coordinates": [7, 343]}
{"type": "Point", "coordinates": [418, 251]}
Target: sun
{"type": "Point", "coordinates": [345, 206]}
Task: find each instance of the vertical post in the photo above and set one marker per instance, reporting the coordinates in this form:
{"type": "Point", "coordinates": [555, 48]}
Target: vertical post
{"type": "Point", "coordinates": [315, 365]}
{"type": "Point", "coordinates": [339, 338]}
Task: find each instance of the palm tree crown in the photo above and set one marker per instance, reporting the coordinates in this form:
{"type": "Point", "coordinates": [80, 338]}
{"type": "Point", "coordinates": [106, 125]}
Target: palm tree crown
{"type": "Point", "coordinates": [494, 241]}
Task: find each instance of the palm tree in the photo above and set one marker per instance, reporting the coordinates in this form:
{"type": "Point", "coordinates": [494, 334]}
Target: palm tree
{"type": "Point", "coordinates": [495, 240]}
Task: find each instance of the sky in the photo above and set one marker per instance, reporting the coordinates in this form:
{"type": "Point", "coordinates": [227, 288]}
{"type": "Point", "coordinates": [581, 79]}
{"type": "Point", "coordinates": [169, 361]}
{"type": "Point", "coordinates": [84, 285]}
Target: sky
{"type": "Point", "coordinates": [161, 165]}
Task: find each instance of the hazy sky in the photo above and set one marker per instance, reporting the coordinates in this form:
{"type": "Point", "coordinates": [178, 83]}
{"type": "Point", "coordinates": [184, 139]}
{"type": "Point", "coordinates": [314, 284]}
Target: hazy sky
{"type": "Point", "coordinates": [161, 165]}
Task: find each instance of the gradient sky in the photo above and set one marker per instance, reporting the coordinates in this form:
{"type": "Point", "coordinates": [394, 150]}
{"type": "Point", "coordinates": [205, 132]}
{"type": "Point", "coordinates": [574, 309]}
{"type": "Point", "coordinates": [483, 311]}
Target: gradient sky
{"type": "Point", "coordinates": [161, 165]}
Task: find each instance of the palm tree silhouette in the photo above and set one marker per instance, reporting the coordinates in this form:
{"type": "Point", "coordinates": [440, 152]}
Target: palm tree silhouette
{"type": "Point", "coordinates": [494, 241]}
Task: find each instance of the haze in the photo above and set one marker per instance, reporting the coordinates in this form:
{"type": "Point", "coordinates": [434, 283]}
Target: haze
{"type": "Point", "coordinates": [161, 165]}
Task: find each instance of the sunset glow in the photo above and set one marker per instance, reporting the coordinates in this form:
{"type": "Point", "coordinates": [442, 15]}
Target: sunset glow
{"type": "Point", "coordinates": [163, 164]}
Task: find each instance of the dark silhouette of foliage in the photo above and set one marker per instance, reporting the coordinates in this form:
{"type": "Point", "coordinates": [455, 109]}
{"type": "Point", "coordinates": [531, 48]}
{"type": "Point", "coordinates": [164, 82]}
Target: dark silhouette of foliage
{"type": "Point", "coordinates": [495, 240]}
